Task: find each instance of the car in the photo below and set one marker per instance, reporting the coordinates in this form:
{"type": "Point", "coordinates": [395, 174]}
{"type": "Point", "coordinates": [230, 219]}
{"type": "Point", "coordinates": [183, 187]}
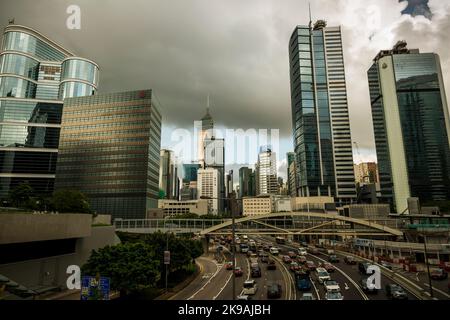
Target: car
{"type": "Point", "coordinates": [249, 253]}
{"type": "Point", "coordinates": [304, 244]}
{"type": "Point", "coordinates": [438, 274]}
{"type": "Point", "coordinates": [331, 286]}
{"type": "Point", "coordinates": [271, 265]}
{"type": "Point", "coordinates": [333, 258]}
{"type": "Point", "coordinates": [310, 265]}
{"type": "Point", "coordinates": [365, 287]}
{"type": "Point", "coordinates": [266, 248]}
{"type": "Point", "coordinates": [274, 291]}
{"type": "Point", "coordinates": [294, 266]}
{"type": "Point", "coordinates": [265, 258]}
{"type": "Point", "coordinates": [395, 292]}
{"type": "Point", "coordinates": [244, 297]}
{"type": "Point", "coordinates": [274, 251]}
{"type": "Point", "coordinates": [261, 252]}
{"type": "Point", "coordinates": [287, 259]}
{"type": "Point", "coordinates": [302, 281]}
{"type": "Point", "coordinates": [330, 252]}
{"type": "Point", "coordinates": [302, 252]}
{"type": "Point", "coordinates": [313, 250]}
{"type": "Point", "coordinates": [386, 264]}
{"type": "Point", "coordinates": [302, 259]}
{"type": "Point", "coordinates": [253, 258]}
{"type": "Point", "coordinates": [363, 266]}
{"type": "Point", "coordinates": [328, 266]}
{"type": "Point", "coordinates": [245, 237]}
{"type": "Point", "coordinates": [250, 288]}
{"type": "Point", "coordinates": [229, 265]}
{"type": "Point", "coordinates": [307, 296]}
{"type": "Point", "coordinates": [238, 272]}
{"type": "Point", "coordinates": [223, 242]}
{"type": "Point", "coordinates": [244, 248]}
{"type": "Point", "coordinates": [292, 254]}
{"type": "Point", "coordinates": [334, 296]}
{"type": "Point", "coordinates": [256, 271]}
{"type": "Point", "coordinates": [350, 260]}
{"type": "Point", "coordinates": [322, 275]}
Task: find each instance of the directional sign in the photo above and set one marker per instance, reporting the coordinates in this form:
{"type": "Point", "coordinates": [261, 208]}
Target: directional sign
{"type": "Point", "coordinates": [95, 289]}
{"type": "Point", "coordinates": [166, 257]}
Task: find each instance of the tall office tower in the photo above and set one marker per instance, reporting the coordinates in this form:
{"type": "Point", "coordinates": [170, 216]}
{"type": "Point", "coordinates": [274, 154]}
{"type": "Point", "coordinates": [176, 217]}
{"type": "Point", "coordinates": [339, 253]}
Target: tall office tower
{"type": "Point", "coordinates": [291, 174]}
{"type": "Point", "coordinates": [245, 182]}
{"type": "Point", "coordinates": [189, 182]}
{"type": "Point", "coordinates": [214, 157]}
{"type": "Point", "coordinates": [411, 125]}
{"type": "Point", "coordinates": [36, 74]}
{"type": "Point", "coordinates": [110, 150]}
{"type": "Point", "coordinates": [266, 172]}
{"type": "Point", "coordinates": [168, 175]}
{"type": "Point", "coordinates": [366, 172]}
{"type": "Point", "coordinates": [208, 186]}
{"type": "Point", "coordinates": [229, 184]}
{"type": "Point", "coordinates": [206, 132]}
{"type": "Point", "coordinates": [322, 140]}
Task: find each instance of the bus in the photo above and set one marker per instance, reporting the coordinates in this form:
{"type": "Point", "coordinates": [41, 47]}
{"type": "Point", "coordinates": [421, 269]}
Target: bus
{"type": "Point", "coordinates": [280, 240]}
{"type": "Point", "coordinates": [303, 281]}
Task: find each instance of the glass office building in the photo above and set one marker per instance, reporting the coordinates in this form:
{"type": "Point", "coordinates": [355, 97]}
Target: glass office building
{"type": "Point", "coordinates": [411, 126]}
{"type": "Point", "coordinates": [322, 139]}
{"type": "Point", "coordinates": [110, 150]}
{"type": "Point", "coordinates": [36, 74]}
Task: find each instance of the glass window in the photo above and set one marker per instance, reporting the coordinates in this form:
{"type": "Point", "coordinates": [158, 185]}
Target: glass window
{"type": "Point", "coordinates": [305, 40]}
{"type": "Point", "coordinates": [305, 70]}
{"type": "Point", "coordinates": [307, 95]}
{"type": "Point", "coordinates": [304, 47]}
{"type": "Point", "coordinates": [303, 32]}
{"type": "Point", "coordinates": [307, 103]}
{"type": "Point", "coordinates": [305, 63]}
{"type": "Point", "coordinates": [305, 55]}
{"type": "Point", "coordinates": [23, 42]}
{"type": "Point", "coordinates": [17, 88]}
{"type": "Point", "coordinates": [20, 65]}
{"type": "Point", "coordinates": [305, 78]}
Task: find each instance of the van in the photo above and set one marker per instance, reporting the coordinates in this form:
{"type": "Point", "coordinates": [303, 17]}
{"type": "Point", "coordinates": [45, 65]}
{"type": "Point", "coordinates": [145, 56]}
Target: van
{"type": "Point", "coordinates": [244, 248]}
{"type": "Point", "coordinates": [302, 252]}
{"type": "Point", "coordinates": [250, 288]}
{"type": "Point", "coordinates": [322, 275]}
{"type": "Point", "coordinates": [274, 251]}
{"type": "Point", "coordinates": [256, 271]}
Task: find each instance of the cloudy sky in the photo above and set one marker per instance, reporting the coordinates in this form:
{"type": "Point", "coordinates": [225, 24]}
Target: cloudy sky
{"type": "Point", "coordinates": [233, 50]}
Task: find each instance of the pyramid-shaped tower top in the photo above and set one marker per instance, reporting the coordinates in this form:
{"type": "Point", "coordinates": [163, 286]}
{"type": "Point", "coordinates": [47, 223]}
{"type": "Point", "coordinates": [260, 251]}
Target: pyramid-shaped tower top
{"type": "Point", "coordinates": [207, 116]}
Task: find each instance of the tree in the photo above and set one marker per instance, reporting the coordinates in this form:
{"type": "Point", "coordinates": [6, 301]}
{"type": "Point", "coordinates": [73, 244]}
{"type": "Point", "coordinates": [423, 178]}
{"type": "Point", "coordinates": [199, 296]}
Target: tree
{"type": "Point", "coordinates": [70, 201]}
{"type": "Point", "coordinates": [132, 267]}
{"type": "Point", "coordinates": [161, 194]}
{"type": "Point", "coordinates": [21, 195]}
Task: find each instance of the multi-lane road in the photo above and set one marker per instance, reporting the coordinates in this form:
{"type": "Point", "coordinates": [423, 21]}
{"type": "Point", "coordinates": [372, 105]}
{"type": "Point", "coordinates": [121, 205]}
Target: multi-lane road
{"type": "Point", "coordinates": [215, 281]}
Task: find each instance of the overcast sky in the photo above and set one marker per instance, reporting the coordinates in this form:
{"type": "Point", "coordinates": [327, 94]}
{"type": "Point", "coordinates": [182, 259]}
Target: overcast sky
{"type": "Point", "coordinates": [234, 50]}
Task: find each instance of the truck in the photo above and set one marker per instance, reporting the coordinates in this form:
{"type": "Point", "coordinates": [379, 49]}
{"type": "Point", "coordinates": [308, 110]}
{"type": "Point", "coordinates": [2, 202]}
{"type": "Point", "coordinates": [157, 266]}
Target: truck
{"type": "Point", "coordinates": [302, 281]}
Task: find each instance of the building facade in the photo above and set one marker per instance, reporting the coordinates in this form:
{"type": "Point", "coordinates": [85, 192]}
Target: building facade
{"type": "Point", "coordinates": [411, 126]}
{"type": "Point", "coordinates": [322, 139]}
{"type": "Point", "coordinates": [206, 131]}
{"type": "Point", "coordinates": [208, 187]}
{"type": "Point", "coordinates": [169, 182]}
{"type": "Point", "coordinates": [366, 172]}
{"type": "Point", "coordinates": [36, 74]}
{"type": "Point", "coordinates": [261, 205]}
{"type": "Point", "coordinates": [110, 151]}
{"type": "Point", "coordinates": [214, 157]}
{"type": "Point", "coordinates": [174, 207]}
{"type": "Point", "coordinates": [247, 187]}
{"type": "Point", "coordinates": [266, 172]}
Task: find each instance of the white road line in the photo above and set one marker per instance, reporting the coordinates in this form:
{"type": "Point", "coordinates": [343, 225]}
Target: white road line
{"type": "Point", "coordinates": [315, 288]}
{"type": "Point", "coordinates": [208, 282]}
{"type": "Point", "coordinates": [226, 284]}
{"type": "Point", "coordinates": [438, 290]}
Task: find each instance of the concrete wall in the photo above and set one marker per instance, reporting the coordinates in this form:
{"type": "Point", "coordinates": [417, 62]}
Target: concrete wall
{"type": "Point", "coordinates": [22, 227]}
{"type": "Point", "coordinates": [51, 271]}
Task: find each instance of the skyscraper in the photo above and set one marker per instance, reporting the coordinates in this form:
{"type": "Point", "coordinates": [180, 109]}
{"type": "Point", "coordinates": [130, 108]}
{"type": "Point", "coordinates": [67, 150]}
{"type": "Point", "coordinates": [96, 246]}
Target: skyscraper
{"type": "Point", "coordinates": [168, 174]}
{"type": "Point", "coordinates": [209, 187]}
{"type": "Point", "coordinates": [36, 74]}
{"type": "Point", "coordinates": [214, 157]}
{"type": "Point", "coordinates": [320, 116]}
{"type": "Point", "coordinates": [206, 132]}
{"type": "Point", "coordinates": [266, 172]}
{"type": "Point", "coordinates": [110, 150]}
{"type": "Point", "coordinates": [411, 126]}
{"type": "Point", "coordinates": [247, 186]}
{"type": "Point", "coordinates": [291, 174]}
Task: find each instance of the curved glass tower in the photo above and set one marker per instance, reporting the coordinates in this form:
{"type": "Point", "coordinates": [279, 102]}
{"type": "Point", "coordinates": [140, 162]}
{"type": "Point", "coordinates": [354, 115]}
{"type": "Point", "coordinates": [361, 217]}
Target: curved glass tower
{"type": "Point", "coordinates": [36, 74]}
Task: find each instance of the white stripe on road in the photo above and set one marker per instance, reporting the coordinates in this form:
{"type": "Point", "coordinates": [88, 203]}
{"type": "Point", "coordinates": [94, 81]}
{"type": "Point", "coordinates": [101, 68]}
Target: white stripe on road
{"type": "Point", "coordinates": [437, 290]}
{"type": "Point", "coordinates": [208, 282]}
{"type": "Point", "coordinates": [226, 284]}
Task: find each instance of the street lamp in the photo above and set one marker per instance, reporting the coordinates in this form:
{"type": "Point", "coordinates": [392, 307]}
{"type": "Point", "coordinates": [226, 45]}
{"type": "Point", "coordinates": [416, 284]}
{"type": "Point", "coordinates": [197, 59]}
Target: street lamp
{"type": "Point", "coordinates": [233, 243]}
{"type": "Point", "coordinates": [428, 265]}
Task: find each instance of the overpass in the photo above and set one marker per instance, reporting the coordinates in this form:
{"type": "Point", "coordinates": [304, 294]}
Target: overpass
{"type": "Point", "coordinates": [288, 224]}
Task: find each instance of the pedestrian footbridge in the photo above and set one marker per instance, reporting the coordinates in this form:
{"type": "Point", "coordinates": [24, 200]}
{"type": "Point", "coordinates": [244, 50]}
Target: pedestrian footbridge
{"type": "Point", "coordinates": [292, 223]}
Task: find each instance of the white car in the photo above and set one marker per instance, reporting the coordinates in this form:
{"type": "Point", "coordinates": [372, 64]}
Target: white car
{"type": "Point", "coordinates": [274, 251]}
{"type": "Point", "coordinates": [250, 288]}
{"type": "Point", "coordinates": [307, 296]}
{"type": "Point", "coordinates": [334, 296]}
{"type": "Point", "coordinates": [322, 275]}
{"type": "Point", "coordinates": [332, 286]}
{"type": "Point", "coordinates": [243, 297]}
{"type": "Point", "coordinates": [302, 252]}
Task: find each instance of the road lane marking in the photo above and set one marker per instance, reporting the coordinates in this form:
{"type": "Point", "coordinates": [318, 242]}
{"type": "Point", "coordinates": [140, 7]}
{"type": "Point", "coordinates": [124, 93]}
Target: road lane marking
{"type": "Point", "coordinates": [438, 290]}
{"type": "Point", "coordinates": [226, 284]}
{"type": "Point", "coordinates": [208, 282]}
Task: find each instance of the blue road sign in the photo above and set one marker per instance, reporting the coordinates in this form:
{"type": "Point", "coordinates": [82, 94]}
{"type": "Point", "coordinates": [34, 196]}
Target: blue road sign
{"type": "Point", "coordinates": [93, 289]}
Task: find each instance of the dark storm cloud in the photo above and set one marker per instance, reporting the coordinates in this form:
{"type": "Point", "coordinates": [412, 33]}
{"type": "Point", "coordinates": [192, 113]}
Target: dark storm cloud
{"type": "Point", "coordinates": [418, 8]}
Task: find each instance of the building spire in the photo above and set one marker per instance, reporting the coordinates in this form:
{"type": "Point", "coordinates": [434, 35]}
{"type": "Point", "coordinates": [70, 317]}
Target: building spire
{"type": "Point", "coordinates": [207, 104]}
{"type": "Point", "coordinates": [310, 15]}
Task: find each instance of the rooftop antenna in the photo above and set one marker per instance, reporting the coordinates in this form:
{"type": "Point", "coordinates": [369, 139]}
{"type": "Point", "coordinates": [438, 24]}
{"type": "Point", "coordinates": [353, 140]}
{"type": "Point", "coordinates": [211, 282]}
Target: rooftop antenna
{"type": "Point", "coordinates": [11, 21]}
{"type": "Point", "coordinates": [310, 15]}
{"type": "Point", "coordinates": [207, 104]}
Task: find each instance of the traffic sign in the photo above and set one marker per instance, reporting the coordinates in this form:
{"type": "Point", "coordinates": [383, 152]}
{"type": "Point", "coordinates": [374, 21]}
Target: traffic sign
{"type": "Point", "coordinates": [166, 257]}
{"type": "Point", "coordinates": [95, 289]}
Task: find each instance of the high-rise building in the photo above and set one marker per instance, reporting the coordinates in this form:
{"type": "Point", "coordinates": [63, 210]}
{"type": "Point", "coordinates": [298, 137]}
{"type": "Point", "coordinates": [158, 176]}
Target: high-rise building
{"type": "Point", "coordinates": [266, 172]}
{"type": "Point", "coordinates": [190, 172]}
{"type": "Point", "coordinates": [247, 186]}
{"type": "Point", "coordinates": [366, 172]}
{"type": "Point", "coordinates": [208, 186]}
{"type": "Point", "coordinates": [110, 150]}
{"type": "Point", "coordinates": [322, 139]}
{"type": "Point", "coordinates": [214, 157]}
{"type": "Point", "coordinates": [36, 74]}
{"type": "Point", "coordinates": [189, 184]}
{"type": "Point", "coordinates": [411, 126]}
{"type": "Point", "coordinates": [291, 174]}
{"type": "Point", "coordinates": [169, 181]}
{"type": "Point", "coordinates": [206, 132]}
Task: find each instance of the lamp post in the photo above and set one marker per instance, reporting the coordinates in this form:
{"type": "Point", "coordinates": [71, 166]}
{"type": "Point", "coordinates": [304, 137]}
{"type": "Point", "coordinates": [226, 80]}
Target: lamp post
{"type": "Point", "coordinates": [233, 242]}
{"type": "Point", "coordinates": [428, 265]}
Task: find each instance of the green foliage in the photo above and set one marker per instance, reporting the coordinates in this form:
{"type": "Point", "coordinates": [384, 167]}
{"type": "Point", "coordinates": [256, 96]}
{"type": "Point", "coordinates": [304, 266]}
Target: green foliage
{"type": "Point", "coordinates": [161, 194]}
{"type": "Point", "coordinates": [130, 266]}
{"type": "Point", "coordinates": [70, 201]}
{"type": "Point", "coordinates": [21, 195]}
